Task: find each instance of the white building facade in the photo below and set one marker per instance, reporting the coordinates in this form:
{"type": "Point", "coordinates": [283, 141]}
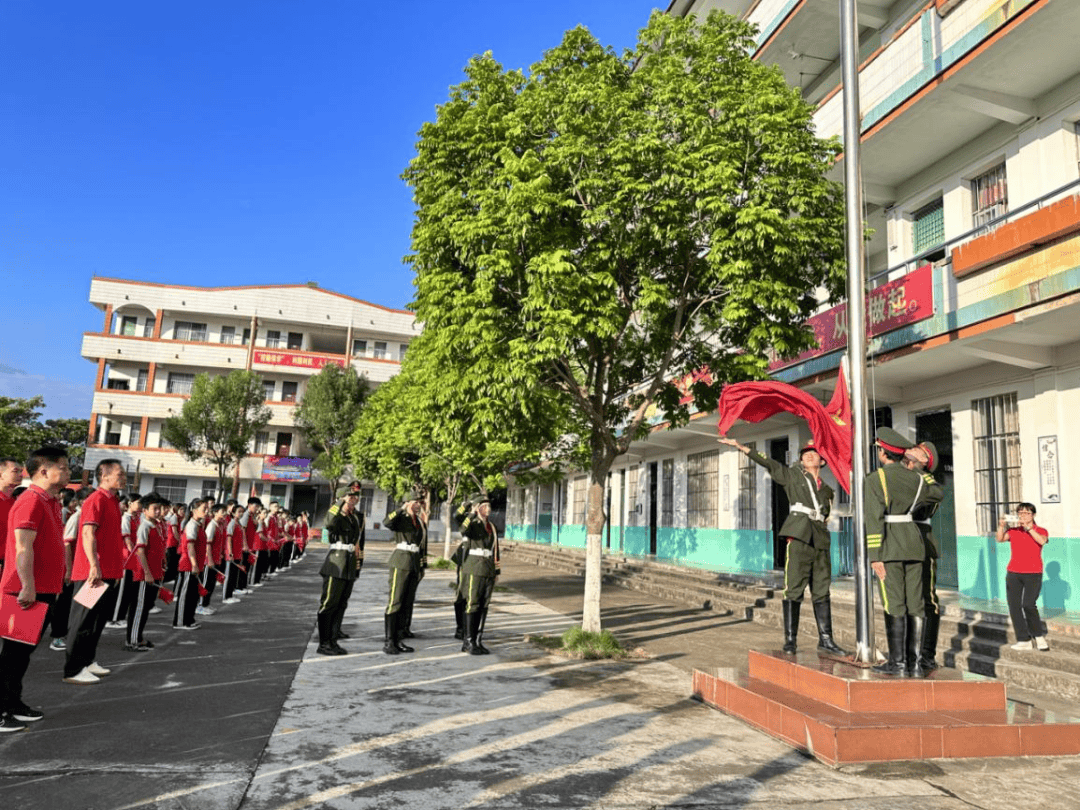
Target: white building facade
{"type": "Point", "coordinates": [156, 338]}
{"type": "Point", "coordinates": [971, 175]}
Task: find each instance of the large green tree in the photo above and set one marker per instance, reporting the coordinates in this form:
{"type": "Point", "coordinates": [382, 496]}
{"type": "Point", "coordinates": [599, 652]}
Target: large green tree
{"type": "Point", "coordinates": [22, 431]}
{"type": "Point", "coordinates": [608, 223]}
{"type": "Point", "coordinates": [327, 415]}
{"type": "Point", "coordinates": [218, 423]}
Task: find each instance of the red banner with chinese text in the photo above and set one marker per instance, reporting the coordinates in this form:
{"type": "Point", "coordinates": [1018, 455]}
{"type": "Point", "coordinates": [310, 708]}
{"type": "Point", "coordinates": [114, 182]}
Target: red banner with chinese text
{"type": "Point", "coordinates": [295, 359]}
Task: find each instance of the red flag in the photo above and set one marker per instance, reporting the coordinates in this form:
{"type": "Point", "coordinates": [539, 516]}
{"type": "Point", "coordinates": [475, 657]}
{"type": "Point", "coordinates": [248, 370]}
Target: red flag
{"type": "Point", "coordinates": [202, 590]}
{"type": "Point", "coordinates": [757, 401]}
{"type": "Point", "coordinates": [166, 596]}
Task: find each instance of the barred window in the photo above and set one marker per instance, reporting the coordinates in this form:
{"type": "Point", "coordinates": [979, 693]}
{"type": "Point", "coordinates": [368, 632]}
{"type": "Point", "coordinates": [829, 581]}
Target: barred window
{"type": "Point", "coordinates": [667, 492]}
{"type": "Point", "coordinates": [209, 488]}
{"type": "Point", "coordinates": [989, 196]}
{"type": "Point", "coordinates": [228, 334]}
{"type": "Point", "coordinates": [367, 500]}
{"type": "Point", "coordinates": [175, 489]}
{"type": "Point", "coordinates": [135, 435]}
{"type": "Point", "coordinates": [632, 476]}
{"type": "Point", "coordinates": [996, 431]}
{"type": "Point", "coordinates": [928, 226]}
{"type": "Point", "coordinates": [186, 330]}
{"type": "Point", "coordinates": [702, 489]}
{"type": "Point", "coordinates": [581, 490]}
{"type": "Point", "coordinates": [747, 499]}
{"type": "Point", "coordinates": [273, 338]}
{"type": "Point", "coordinates": [180, 383]}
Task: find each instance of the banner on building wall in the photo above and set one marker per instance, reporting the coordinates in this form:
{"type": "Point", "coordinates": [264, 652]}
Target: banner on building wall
{"type": "Point", "coordinates": [286, 468]}
{"type": "Point", "coordinates": [901, 302]}
{"type": "Point", "coordinates": [295, 360]}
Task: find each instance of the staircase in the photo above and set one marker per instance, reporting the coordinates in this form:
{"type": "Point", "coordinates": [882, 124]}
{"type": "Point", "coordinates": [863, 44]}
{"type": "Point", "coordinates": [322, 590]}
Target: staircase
{"type": "Point", "coordinates": [970, 640]}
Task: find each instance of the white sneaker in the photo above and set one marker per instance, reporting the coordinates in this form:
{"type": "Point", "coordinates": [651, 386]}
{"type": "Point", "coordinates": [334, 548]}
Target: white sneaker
{"type": "Point", "coordinates": [209, 611]}
{"type": "Point", "coordinates": [84, 677]}
{"type": "Point", "coordinates": [97, 669]}
{"type": "Point", "coordinates": [242, 591]}
{"type": "Point", "coordinates": [194, 626]}
{"type": "Point", "coordinates": [155, 609]}
{"type": "Point", "coordinates": [1021, 645]}
{"type": "Point", "coordinates": [1040, 643]}
{"type": "Point", "coordinates": [115, 625]}
{"type": "Point", "coordinates": [232, 600]}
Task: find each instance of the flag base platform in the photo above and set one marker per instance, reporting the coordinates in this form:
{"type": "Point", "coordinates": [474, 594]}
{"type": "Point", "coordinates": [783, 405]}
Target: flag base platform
{"type": "Point", "coordinates": [842, 713]}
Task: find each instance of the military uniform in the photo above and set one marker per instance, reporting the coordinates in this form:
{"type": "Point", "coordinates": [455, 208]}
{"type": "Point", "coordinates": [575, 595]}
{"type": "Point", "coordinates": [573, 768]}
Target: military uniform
{"type": "Point", "coordinates": [457, 558]}
{"type": "Point", "coordinates": [339, 571]}
{"type": "Point", "coordinates": [479, 568]}
{"type": "Point", "coordinates": [404, 565]}
{"type": "Point", "coordinates": [410, 602]}
{"type": "Point", "coordinates": [808, 560]}
{"type": "Point", "coordinates": [890, 496]}
{"type": "Point", "coordinates": [931, 606]}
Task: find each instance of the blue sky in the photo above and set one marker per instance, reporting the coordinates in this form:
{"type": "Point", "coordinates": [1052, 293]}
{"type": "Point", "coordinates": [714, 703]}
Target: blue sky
{"type": "Point", "coordinates": [225, 142]}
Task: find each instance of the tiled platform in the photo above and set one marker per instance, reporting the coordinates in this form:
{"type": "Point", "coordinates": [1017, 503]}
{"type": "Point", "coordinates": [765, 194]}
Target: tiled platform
{"type": "Point", "coordinates": [842, 714]}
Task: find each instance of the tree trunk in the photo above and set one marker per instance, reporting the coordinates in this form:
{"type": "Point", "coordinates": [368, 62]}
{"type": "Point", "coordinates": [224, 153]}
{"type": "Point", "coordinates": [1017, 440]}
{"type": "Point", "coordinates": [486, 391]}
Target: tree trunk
{"type": "Point", "coordinates": [594, 527]}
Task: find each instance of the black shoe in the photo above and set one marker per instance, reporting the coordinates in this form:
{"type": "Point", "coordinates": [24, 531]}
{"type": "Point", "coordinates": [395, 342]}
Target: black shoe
{"type": "Point", "coordinates": [9, 723]}
{"type": "Point", "coordinates": [341, 635]}
{"type": "Point", "coordinates": [24, 714]}
{"type": "Point", "coordinates": [340, 650]}
{"type": "Point", "coordinates": [791, 624]}
{"type": "Point", "coordinates": [459, 634]}
{"type": "Point", "coordinates": [407, 633]}
{"type": "Point", "coordinates": [326, 649]}
{"type": "Point", "coordinates": [823, 617]}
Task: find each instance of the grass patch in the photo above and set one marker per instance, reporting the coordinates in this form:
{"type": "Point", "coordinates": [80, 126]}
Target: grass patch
{"type": "Point", "coordinates": [576, 643]}
{"type": "Point", "coordinates": [441, 563]}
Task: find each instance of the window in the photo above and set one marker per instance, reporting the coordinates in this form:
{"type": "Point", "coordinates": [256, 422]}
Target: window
{"type": "Point", "coordinates": [284, 444]}
{"type": "Point", "coordinates": [135, 435]}
{"type": "Point", "coordinates": [112, 432]}
{"type": "Point", "coordinates": [273, 338]}
{"type": "Point", "coordinates": [209, 488]}
{"type": "Point", "coordinates": [581, 490]}
{"type": "Point", "coordinates": [380, 349]}
{"type": "Point", "coordinates": [989, 196]}
{"type": "Point", "coordinates": [246, 339]}
{"type": "Point", "coordinates": [268, 390]}
{"type": "Point", "coordinates": [702, 492]}
{"type": "Point", "coordinates": [128, 325]}
{"type": "Point", "coordinates": [288, 391]}
{"type": "Point", "coordinates": [359, 348]}
{"type": "Point", "coordinates": [928, 226]}
{"type": "Point", "coordinates": [401, 351]}
{"type": "Point", "coordinates": [175, 489]}
{"type": "Point", "coordinates": [228, 334]}
{"type": "Point", "coordinates": [163, 442]}
{"type": "Point", "coordinates": [278, 492]}
{"type": "Point", "coordinates": [632, 476]}
{"type": "Point", "coordinates": [148, 327]}
{"type": "Point", "coordinates": [186, 330]}
{"type": "Point", "coordinates": [296, 340]}
{"type": "Point", "coordinates": [143, 380]}
{"type": "Point", "coordinates": [179, 383]}
{"type": "Point", "coordinates": [117, 385]}
{"type": "Point", "coordinates": [262, 442]}
{"type": "Point", "coordinates": [747, 499]}
{"type": "Point", "coordinates": [367, 500]}
{"type": "Point", "coordinates": [996, 430]}
{"type": "Point", "coordinates": [667, 492]}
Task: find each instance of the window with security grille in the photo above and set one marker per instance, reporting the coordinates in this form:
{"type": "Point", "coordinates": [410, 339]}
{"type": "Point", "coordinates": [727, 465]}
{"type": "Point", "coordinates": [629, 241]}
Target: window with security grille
{"type": "Point", "coordinates": [747, 498]}
{"type": "Point", "coordinates": [989, 196]}
{"type": "Point", "coordinates": [581, 490]}
{"type": "Point", "coordinates": [667, 492]}
{"type": "Point", "coordinates": [228, 334]}
{"type": "Point", "coordinates": [175, 489]}
{"type": "Point", "coordinates": [367, 499]}
{"type": "Point", "coordinates": [633, 475]}
{"type": "Point", "coordinates": [135, 434]}
{"type": "Point", "coordinates": [209, 488]}
{"type": "Point", "coordinates": [187, 330]}
{"type": "Point", "coordinates": [702, 489]}
{"type": "Point", "coordinates": [928, 226]}
{"type": "Point", "coordinates": [996, 431]}
{"type": "Point", "coordinates": [179, 383]}
{"type": "Point", "coordinates": [273, 339]}
{"type": "Point", "coordinates": [142, 380]}
{"type": "Point", "coordinates": [262, 442]}
{"type": "Point", "coordinates": [380, 349]}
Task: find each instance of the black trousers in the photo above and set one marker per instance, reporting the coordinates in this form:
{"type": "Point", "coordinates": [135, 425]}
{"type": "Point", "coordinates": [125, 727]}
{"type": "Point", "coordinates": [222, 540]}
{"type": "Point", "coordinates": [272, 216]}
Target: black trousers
{"type": "Point", "coordinates": [209, 581]}
{"type": "Point", "coordinates": [58, 615]}
{"type": "Point", "coordinates": [332, 605]}
{"type": "Point", "coordinates": [187, 599]}
{"type": "Point", "coordinates": [402, 590]}
{"type": "Point", "coordinates": [1022, 591]}
{"type": "Point", "coordinates": [172, 563]}
{"type": "Point", "coordinates": [85, 626]}
{"type": "Point", "coordinates": [477, 590]}
{"type": "Point", "coordinates": [121, 606]}
{"type": "Point", "coordinates": [285, 557]}
{"type": "Point", "coordinates": [142, 599]}
{"type": "Point", "coordinates": [14, 661]}
{"type": "Point", "coordinates": [262, 563]}
{"type": "Point", "coordinates": [232, 576]}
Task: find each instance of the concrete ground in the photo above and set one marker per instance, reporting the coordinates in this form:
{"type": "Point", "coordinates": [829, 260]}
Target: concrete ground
{"type": "Point", "coordinates": [244, 714]}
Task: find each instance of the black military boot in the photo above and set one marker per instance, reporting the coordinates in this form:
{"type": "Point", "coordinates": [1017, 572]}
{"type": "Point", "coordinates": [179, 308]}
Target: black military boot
{"type": "Point", "coordinates": [928, 647]}
{"type": "Point", "coordinates": [396, 627]}
{"type": "Point", "coordinates": [895, 633]}
{"type": "Point", "coordinates": [389, 646]}
{"type": "Point", "coordinates": [459, 618]}
{"type": "Point", "coordinates": [914, 630]}
{"type": "Point", "coordinates": [472, 629]}
{"type": "Point", "coordinates": [791, 624]}
{"type": "Point", "coordinates": [326, 644]}
{"type": "Point", "coordinates": [823, 617]}
{"type": "Point", "coordinates": [479, 643]}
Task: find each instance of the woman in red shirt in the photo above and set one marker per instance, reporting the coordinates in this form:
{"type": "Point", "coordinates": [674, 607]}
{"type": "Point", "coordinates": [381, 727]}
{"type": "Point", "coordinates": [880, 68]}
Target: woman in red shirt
{"type": "Point", "coordinates": [1023, 578]}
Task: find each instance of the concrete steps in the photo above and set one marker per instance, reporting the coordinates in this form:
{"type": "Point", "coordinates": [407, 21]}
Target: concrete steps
{"type": "Point", "coordinates": [969, 641]}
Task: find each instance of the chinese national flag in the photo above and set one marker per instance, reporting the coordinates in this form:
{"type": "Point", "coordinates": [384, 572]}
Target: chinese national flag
{"type": "Point", "coordinates": [830, 425]}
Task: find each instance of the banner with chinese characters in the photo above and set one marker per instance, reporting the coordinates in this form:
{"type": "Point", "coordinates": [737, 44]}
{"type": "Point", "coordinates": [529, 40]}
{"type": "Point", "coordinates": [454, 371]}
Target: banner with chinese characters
{"type": "Point", "coordinates": [901, 302]}
{"type": "Point", "coordinates": [295, 359]}
{"type": "Point", "coordinates": [285, 468]}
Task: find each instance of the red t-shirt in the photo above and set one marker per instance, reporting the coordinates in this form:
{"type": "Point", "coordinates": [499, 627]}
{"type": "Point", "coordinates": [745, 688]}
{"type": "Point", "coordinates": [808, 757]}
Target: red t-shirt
{"type": "Point", "coordinates": [6, 502]}
{"type": "Point", "coordinates": [151, 537]}
{"type": "Point", "coordinates": [173, 539]}
{"type": "Point", "coordinates": [193, 532]}
{"type": "Point", "coordinates": [102, 509]}
{"type": "Point", "coordinates": [217, 541]}
{"type": "Point", "coordinates": [36, 510]}
{"type": "Point", "coordinates": [1026, 553]}
{"type": "Point", "coordinates": [236, 539]}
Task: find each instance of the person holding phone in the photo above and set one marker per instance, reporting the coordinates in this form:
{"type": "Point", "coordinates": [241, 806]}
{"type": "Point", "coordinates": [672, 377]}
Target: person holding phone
{"type": "Point", "coordinates": [1023, 577]}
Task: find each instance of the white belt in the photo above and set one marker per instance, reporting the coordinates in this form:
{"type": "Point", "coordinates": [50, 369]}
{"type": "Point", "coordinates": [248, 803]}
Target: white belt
{"type": "Point", "coordinates": [408, 547]}
{"type": "Point", "coordinates": [806, 510]}
{"type": "Point", "coordinates": [342, 547]}
{"type": "Point", "coordinates": [480, 552]}
{"type": "Point", "coordinates": [899, 519]}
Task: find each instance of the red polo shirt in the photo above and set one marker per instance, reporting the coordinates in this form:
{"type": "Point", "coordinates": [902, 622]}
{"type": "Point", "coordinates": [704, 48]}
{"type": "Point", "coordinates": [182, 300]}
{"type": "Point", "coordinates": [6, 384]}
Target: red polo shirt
{"type": "Point", "coordinates": [1026, 553]}
{"type": "Point", "coordinates": [6, 502]}
{"type": "Point", "coordinates": [38, 511]}
{"type": "Point", "coordinates": [151, 537]}
{"type": "Point", "coordinates": [102, 509]}
{"type": "Point", "coordinates": [193, 532]}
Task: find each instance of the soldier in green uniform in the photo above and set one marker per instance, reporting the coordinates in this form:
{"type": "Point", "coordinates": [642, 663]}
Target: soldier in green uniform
{"type": "Point", "coordinates": [410, 599]}
{"type": "Point", "coordinates": [895, 547]}
{"type": "Point", "coordinates": [927, 660]}
{"type": "Point", "coordinates": [808, 542]}
{"type": "Point", "coordinates": [339, 571]}
{"type": "Point", "coordinates": [404, 564]}
{"type": "Point", "coordinates": [457, 558]}
{"type": "Point", "coordinates": [479, 568]}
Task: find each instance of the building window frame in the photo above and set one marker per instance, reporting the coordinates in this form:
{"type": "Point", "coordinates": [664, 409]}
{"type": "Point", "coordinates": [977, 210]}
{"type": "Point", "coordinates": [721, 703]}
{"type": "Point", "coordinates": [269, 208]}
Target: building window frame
{"type": "Point", "coordinates": [702, 489]}
{"type": "Point", "coordinates": [995, 423]}
{"type": "Point", "coordinates": [746, 500]}
{"type": "Point", "coordinates": [228, 335]}
{"type": "Point", "coordinates": [379, 350]}
{"type": "Point", "coordinates": [180, 382]}
{"type": "Point", "coordinates": [989, 196]}
{"type": "Point", "coordinates": [928, 226]}
{"type": "Point", "coordinates": [190, 331]}
{"type": "Point", "coordinates": [175, 489]}
{"type": "Point", "coordinates": [581, 492]}
{"type": "Point", "coordinates": [667, 492]}
{"type": "Point", "coordinates": [273, 338]}
{"type": "Point", "coordinates": [289, 390]}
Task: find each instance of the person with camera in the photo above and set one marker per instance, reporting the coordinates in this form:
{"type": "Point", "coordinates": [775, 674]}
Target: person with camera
{"type": "Point", "coordinates": [1023, 577]}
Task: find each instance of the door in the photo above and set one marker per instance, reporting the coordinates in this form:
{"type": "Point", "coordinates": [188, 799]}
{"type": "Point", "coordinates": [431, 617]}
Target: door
{"type": "Point", "coordinates": [936, 426]}
{"type": "Point", "coordinates": [778, 451]}
{"type": "Point", "coordinates": [654, 475]}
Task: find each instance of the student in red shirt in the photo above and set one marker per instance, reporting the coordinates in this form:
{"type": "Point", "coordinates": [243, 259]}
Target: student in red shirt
{"type": "Point", "coordinates": [99, 557]}
{"type": "Point", "coordinates": [1023, 577]}
{"type": "Point", "coordinates": [234, 554]}
{"type": "Point", "coordinates": [192, 563]}
{"type": "Point", "coordinates": [129, 525]}
{"type": "Point", "coordinates": [216, 539]}
{"type": "Point", "coordinates": [11, 475]}
{"type": "Point", "coordinates": [35, 570]}
{"type": "Point", "coordinates": [175, 519]}
{"type": "Point", "coordinates": [147, 566]}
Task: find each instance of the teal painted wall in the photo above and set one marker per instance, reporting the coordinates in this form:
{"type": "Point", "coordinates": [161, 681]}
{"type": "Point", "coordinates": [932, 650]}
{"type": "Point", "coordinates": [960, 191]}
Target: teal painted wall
{"type": "Point", "coordinates": [982, 563]}
{"type": "Point", "coordinates": [728, 550]}
{"type": "Point", "coordinates": [635, 539]}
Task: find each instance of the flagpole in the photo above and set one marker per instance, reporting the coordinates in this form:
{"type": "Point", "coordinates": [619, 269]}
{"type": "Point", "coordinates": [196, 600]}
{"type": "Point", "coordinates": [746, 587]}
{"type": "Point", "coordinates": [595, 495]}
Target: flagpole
{"type": "Point", "coordinates": [849, 50]}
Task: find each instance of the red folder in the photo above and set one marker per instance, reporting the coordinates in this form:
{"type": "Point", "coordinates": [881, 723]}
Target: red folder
{"type": "Point", "coordinates": [18, 624]}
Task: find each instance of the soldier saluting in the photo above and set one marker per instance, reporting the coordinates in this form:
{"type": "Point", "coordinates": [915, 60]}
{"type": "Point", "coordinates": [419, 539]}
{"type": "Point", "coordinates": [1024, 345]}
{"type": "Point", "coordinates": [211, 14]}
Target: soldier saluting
{"type": "Point", "coordinates": [404, 565]}
{"type": "Point", "coordinates": [808, 560]}
{"type": "Point", "coordinates": [340, 570]}
{"type": "Point", "coordinates": [479, 568]}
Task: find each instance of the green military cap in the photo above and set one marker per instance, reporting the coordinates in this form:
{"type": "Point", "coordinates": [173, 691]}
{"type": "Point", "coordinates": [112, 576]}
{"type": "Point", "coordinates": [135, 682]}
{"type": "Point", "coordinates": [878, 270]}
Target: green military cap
{"type": "Point", "coordinates": [892, 441]}
{"type": "Point", "coordinates": [932, 452]}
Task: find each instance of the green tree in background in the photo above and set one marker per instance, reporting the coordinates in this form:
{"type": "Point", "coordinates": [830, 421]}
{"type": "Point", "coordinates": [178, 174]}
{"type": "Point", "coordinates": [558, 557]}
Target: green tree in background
{"type": "Point", "coordinates": [327, 415]}
{"type": "Point", "coordinates": [22, 431]}
{"type": "Point", "coordinates": [218, 423]}
{"type": "Point", "coordinates": [610, 223]}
